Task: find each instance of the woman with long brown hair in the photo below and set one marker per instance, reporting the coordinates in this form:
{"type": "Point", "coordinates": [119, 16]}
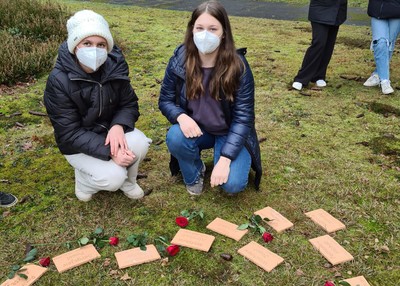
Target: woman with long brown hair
{"type": "Point", "coordinates": [208, 96]}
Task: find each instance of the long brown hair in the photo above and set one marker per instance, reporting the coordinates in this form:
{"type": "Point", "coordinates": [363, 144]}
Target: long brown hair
{"type": "Point", "coordinates": [228, 65]}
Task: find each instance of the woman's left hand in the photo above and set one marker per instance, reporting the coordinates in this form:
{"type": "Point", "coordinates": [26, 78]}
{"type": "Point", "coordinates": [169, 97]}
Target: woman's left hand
{"type": "Point", "coordinates": [116, 139]}
{"type": "Point", "coordinates": [220, 172]}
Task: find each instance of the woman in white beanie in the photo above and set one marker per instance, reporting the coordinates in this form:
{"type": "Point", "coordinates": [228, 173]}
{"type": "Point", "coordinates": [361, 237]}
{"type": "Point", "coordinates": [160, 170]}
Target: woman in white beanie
{"type": "Point", "coordinates": [93, 109]}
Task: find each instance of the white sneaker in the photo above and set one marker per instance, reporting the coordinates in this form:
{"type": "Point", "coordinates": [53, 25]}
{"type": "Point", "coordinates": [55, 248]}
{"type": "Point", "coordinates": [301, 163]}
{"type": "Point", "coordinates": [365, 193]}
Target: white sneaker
{"type": "Point", "coordinates": [84, 197]}
{"type": "Point", "coordinates": [320, 83]}
{"type": "Point", "coordinates": [373, 80]}
{"type": "Point", "coordinates": [297, 85]}
{"type": "Point", "coordinates": [135, 193]}
{"type": "Point", "coordinates": [386, 88]}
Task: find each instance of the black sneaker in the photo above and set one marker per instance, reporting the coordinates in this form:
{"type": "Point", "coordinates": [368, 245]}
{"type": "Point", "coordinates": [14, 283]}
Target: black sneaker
{"type": "Point", "coordinates": [7, 200]}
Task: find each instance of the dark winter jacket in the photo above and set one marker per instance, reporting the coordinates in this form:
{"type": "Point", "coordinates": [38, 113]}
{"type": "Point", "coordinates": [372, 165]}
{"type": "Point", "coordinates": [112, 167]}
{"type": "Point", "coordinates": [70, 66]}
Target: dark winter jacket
{"type": "Point", "coordinates": [328, 12]}
{"type": "Point", "coordinates": [82, 110]}
{"type": "Point", "coordinates": [384, 9]}
{"type": "Point", "coordinates": [239, 114]}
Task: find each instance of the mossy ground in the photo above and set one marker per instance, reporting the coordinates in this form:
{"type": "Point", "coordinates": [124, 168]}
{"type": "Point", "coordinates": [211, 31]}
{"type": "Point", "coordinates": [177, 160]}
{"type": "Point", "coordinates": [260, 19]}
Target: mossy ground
{"type": "Point", "coordinates": [316, 147]}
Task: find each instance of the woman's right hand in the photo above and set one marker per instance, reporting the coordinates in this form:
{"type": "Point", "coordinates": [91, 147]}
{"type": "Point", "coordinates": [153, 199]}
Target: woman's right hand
{"type": "Point", "coordinates": [124, 158]}
{"type": "Point", "coordinates": [188, 126]}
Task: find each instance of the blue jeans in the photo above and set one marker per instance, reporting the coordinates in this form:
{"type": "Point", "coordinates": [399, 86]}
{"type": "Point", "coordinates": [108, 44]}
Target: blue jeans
{"type": "Point", "coordinates": [384, 35]}
{"type": "Point", "coordinates": [187, 151]}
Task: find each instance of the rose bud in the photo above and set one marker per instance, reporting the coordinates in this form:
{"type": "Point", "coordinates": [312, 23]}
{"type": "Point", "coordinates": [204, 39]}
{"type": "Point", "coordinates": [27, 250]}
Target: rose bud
{"type": "Point", "coordinates": [173, 250]}
{"type": "Point", "coordinates": [113, 240]}
{"type": "Point", "coordinates": [267, 237]}
{"type": "Point", "coordinates": [329, 283]}
{"type": "Point", "coordinates": [182, 221]}
{"type": "Point", "coordinates": [45, 261]}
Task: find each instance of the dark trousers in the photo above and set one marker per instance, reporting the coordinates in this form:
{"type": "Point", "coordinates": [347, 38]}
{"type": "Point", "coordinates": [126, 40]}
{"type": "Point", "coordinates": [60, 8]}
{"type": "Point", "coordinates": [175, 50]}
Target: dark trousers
{"type": "Point", "coordinates": [318, 55]}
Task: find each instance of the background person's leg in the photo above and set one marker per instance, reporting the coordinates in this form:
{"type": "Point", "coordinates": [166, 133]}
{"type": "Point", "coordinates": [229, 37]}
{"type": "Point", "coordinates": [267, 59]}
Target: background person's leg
{"type": "Point", "coordinates": [327, 54]}
{"type": "Point", "coordinates": [380, 45]}
{"type": "Point", "coordinates": [313, 56]}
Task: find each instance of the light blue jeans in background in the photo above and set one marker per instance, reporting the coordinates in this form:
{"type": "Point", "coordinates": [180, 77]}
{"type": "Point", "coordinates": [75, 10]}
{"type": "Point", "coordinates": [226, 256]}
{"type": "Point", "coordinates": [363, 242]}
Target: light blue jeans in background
{"type": "Point", "coordinates": [384, 35]}
{"type": "Point", "coordinates": [187, 151]}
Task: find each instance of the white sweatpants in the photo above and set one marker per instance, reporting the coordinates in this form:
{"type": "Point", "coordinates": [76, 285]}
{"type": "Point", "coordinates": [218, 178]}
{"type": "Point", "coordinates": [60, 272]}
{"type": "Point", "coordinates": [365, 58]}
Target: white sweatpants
{"type": "Point", "coordinates": [93, 175]}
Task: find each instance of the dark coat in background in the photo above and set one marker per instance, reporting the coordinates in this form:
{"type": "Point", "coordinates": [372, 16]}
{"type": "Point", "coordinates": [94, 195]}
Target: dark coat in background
{"type": "Point", "coordinates": [384, 9]}
{"type": "Point", "coordinates": [328, 12]}
{"type": "Point", "coordinates": [82, 109]}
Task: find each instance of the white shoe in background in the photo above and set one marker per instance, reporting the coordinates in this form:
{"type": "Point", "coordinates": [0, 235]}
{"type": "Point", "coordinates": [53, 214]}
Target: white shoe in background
{"type": "Point", "coordinates": [386, 88]}
{"type": "Point", "coordinates": [320, 83]}
{"type": "Point", "coordinates": [373, 80]}
{"type": "Point", "coordinates": [297, 85]}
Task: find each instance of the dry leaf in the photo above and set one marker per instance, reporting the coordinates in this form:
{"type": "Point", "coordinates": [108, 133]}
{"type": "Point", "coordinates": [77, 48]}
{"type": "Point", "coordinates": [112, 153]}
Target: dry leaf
{"type": "Point", "coordinates": [164, 261]}
{"type": "Point", "coordinates": [113, 273]}
{"type": "Point", "coordinates": [27, 146]}
{"type": "Point", "coordinates": [106, 262]}
{"type": "Point", "coordinates": [125, 277]}
{"type": "Point", "coordinates": [6, 213]}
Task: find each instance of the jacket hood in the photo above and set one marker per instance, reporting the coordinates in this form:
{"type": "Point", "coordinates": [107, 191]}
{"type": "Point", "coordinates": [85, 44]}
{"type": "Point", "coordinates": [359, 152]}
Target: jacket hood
{"type": "Point", "coordinates": [114, 67]}
{"type": "Point", "coordinates": [178, 61]}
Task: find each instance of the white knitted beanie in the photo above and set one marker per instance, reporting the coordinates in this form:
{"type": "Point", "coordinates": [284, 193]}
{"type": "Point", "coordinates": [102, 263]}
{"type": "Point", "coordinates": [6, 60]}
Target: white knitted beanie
{"type": "Point", "coordinates": [84, 24]}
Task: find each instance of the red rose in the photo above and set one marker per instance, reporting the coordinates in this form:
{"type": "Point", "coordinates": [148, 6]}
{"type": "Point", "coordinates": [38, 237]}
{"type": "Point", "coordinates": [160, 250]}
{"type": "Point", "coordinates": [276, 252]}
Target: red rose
{"type": "Point", "coordinates": [45, 261]}
{"type": "Point", "coordinates": [113, 240]}
{"type": "Point", "coordinates": [173, 250]}
{"type": "Point", "coordinates": [329, 283]}
{"type": "Point", "coordinates": [267, 237]}
{"type": "Point", "coordinates": [182, 221]}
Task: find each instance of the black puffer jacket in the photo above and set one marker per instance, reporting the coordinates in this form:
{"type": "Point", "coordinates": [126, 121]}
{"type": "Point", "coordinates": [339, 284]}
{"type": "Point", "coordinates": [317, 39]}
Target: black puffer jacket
{"type": "Point", "coordinates": [384, 9]}
{"type": "Point", "coordinates": [239, 114]}
{"type": "Point", "coordinates": [82, 110]}
{"type": "Point", "coordinates": [328, 12]}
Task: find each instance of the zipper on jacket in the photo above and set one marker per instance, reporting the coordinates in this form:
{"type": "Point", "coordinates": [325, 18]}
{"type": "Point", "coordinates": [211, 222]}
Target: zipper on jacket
{"type": "Point", "coordinates": [102, 126]}
{"type": "Point", "coordinates": [101, 99]}
{"type": "Point", "coordinates": [101, 91]}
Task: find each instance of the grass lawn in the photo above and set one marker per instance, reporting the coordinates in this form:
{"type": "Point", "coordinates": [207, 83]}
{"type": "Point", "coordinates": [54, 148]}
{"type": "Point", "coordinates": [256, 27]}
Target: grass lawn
{"type": "Point", "coordinates": [337, 149]}
{"type": "Point", "coordinates": [355, 3]}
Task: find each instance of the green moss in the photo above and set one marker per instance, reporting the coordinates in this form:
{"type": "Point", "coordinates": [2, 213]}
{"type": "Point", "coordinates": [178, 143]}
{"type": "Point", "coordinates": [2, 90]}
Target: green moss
{"type": "Point", "coordinates": [386, 145]}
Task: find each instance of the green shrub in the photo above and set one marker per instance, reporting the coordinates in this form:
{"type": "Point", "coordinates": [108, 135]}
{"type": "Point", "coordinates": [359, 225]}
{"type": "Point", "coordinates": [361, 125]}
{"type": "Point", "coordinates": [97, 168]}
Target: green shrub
{"type": "Point", "coordinates": [31, 31]}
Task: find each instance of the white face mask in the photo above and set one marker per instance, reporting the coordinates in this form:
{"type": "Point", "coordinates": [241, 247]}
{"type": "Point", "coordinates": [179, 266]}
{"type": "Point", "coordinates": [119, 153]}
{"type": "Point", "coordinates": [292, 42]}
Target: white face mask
{"type": "Point", "coordinates": [91, 57]}
{"type": "Point", "coordinates": [206, 42]}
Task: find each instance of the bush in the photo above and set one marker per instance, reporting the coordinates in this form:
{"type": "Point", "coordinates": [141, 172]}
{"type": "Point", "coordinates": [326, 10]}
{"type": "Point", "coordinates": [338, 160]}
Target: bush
{"type": "Point", "coordinates": [31, 31]}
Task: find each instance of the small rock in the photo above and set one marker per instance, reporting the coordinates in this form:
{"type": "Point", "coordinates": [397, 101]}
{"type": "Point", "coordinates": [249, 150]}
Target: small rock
{"type": "Point", "coordinates": [385, 248]}
{"type": "Point", "coordinates": [226, 256]}
{"type": "Point", "coordinates": [148, 192]}
{"type": "Point", "coordinates": [141, 176]}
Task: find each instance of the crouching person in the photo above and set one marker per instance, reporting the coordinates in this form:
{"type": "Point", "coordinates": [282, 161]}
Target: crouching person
{"type": "Point", "coordinates": [208, 96]}
{"type": "Point", "coordinates": [93, 109]}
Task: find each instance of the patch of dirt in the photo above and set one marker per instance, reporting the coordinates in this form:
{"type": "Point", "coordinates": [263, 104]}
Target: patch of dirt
{"type": "Point", "coordinates": [354, 42]}
{"type": "Point", "coordinates": [389, 146]}
{"type": "Point", "coordinates": [384, 109]}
